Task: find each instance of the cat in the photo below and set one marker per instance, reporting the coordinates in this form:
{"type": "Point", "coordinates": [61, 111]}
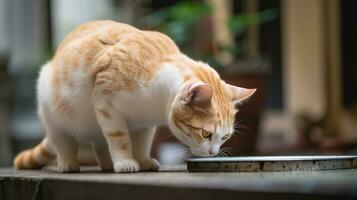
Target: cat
{"type": "Point", "coordinates": [110, 84]}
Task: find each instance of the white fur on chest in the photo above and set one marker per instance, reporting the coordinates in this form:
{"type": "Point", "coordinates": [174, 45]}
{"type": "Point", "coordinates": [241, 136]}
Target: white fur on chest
{"type": "Point", "coordinates": [148, 105]}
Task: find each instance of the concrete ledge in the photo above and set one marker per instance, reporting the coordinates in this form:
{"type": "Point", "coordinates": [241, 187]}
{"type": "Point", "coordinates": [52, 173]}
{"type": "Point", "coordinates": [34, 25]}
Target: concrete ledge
{"type": "Point", "coordinates": [177, 184]}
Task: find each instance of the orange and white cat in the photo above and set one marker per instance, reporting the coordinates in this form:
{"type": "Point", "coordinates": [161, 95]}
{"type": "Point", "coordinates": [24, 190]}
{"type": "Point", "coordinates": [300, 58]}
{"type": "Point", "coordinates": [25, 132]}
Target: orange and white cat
{"type": "Point", "coordinates": [110, 84]}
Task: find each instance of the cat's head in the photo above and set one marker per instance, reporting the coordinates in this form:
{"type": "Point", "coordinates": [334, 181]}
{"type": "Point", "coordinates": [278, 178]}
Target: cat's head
{"type": "Point", "coordinates": [202, 114]}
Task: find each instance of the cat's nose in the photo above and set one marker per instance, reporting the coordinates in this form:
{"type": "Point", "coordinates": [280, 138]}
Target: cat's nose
{"type": "Point", "coordinates": [212, 152]}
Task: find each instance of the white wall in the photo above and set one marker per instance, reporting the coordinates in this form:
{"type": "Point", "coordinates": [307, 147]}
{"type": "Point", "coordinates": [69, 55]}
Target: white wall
{"type": "Point", "coordinates": [67, 14]}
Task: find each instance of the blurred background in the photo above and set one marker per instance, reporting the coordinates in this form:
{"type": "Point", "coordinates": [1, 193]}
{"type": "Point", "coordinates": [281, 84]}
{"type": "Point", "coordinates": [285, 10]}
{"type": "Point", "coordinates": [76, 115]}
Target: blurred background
{"type": "Point", "coordinates": [300, 54]}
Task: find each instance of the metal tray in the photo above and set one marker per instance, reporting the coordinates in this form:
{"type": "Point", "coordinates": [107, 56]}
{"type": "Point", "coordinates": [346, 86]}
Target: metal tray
{"type": "Point", "coordinates": [271, 163]}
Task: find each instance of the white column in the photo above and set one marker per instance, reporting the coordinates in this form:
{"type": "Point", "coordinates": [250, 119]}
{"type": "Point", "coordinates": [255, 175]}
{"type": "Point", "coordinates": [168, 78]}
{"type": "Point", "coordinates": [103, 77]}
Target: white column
{"type": "Point", "coordinates": [303, 57]}
{"type": "Point", "coordinates": [221, 33]}
{"type": "Point", "coordinates": [67, 14]}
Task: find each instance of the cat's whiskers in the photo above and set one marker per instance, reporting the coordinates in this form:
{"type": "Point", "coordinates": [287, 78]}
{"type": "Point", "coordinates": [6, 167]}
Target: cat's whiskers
{"type": "Point", "coordinates": [184, 153]}
{"type": "Point", "coordinates": [240, 121]}
{"type": "Point", "coordinates": [226, 151]}
{"type": "Point", "coordinates": [187, 155]}
{"type": "Point", "coordinates": [238, 124]}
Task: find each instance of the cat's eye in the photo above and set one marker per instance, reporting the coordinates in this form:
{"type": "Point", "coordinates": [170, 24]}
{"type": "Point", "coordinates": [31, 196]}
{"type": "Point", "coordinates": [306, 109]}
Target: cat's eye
{"type": "Point", "coordinates": [226, 136]}
{"type": "Point", "coordinates": [205, 134]}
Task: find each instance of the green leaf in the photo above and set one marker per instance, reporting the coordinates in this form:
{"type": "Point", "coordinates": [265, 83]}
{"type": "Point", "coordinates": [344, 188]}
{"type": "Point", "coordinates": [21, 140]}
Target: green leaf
{"type": "Point", "coordinates": [239, 23]}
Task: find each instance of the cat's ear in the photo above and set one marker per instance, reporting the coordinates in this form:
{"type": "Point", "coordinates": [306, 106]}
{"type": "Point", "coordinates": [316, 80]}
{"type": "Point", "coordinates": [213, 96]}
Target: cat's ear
{"type": "Point", "coordinates": [240, 94]}
{"type": "Point", "coordinates": [199, 94]}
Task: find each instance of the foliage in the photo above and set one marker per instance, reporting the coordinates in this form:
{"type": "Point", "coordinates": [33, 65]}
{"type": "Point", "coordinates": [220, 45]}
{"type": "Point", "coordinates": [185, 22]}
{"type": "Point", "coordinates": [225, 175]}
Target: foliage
{"type": "Point", "coordinates": [239, 23]}
{"type": "Point", "coordinates": [180, 20]}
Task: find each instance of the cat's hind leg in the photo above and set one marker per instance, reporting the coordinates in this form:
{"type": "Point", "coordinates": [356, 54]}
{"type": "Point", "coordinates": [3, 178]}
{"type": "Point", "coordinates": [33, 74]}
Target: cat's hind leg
{"type": "Point", "coordinates": [141, 141]}
{"type": "Point", "coordinates": [65, 146]}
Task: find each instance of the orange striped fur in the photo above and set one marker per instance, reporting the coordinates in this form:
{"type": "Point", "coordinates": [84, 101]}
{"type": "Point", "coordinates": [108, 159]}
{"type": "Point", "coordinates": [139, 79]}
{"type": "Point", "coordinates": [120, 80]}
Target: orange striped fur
{"type": "Point", "coordinates": [33, 158]}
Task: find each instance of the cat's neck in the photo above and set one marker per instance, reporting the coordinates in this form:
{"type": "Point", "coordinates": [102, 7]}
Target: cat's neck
{"type": "Point", "coordinates": [167, 83]}
{"type": "Point", "coordinates": [169, 80]}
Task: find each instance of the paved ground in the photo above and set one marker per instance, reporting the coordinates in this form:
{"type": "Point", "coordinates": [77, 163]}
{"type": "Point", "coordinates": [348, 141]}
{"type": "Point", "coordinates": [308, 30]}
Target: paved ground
{"type": "Point", "coordinates": [176, 183]}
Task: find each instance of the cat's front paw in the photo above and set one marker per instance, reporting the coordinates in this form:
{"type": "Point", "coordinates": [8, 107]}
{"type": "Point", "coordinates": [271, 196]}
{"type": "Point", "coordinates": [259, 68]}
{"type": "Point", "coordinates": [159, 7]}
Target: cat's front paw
{"type": "Point", "coordinates": [126, 166]}
{"type": "Point", "coordinates": [149, 165]}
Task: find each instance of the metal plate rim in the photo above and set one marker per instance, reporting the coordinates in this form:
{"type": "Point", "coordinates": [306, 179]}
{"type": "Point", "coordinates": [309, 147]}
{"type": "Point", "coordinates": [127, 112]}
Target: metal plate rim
{"type": "Point", "coordinates": [270, 158]}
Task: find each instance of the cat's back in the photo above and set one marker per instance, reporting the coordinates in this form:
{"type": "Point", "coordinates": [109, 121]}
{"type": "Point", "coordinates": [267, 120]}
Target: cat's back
{"type": "Point", "coordinates": [89, 49]}
{"type": "Point", "coordinates": [116, 55]}
{"type": "Point", "coordinates": [89, 39]}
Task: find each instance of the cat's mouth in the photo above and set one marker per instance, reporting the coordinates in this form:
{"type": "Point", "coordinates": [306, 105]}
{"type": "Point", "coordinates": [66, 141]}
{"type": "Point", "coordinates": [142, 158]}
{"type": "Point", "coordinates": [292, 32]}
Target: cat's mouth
{"type": "Point", "coordinates": [199, 153]}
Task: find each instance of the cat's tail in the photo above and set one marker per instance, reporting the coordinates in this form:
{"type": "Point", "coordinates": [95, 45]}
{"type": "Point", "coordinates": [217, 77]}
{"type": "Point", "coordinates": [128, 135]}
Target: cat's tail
{"type": "Point", "coordinates": [36, 157]}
